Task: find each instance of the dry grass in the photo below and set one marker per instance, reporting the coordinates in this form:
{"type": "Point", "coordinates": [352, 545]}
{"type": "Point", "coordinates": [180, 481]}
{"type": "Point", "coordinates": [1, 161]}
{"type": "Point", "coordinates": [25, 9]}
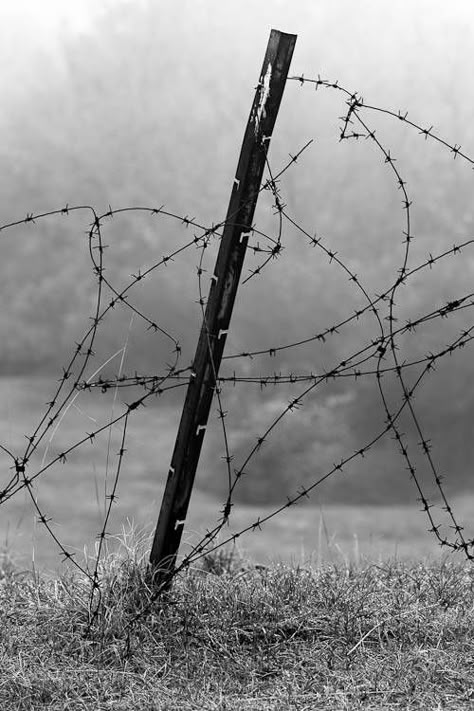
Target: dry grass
{"type": "Point", "coordinates": [228, 636]}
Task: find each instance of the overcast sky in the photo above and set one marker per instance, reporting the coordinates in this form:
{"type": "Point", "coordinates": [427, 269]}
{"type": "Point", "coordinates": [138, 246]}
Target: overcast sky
{"type": "Point", "coordinates": [40, 18]}
{"type": "Point", "coordinates": [391, 40]}
{"type": "Point", "coordinates": [402, 54]}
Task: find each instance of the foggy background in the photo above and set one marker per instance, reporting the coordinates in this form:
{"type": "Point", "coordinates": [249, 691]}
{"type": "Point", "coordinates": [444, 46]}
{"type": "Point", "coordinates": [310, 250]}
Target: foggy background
{"type": "Point", "coordinates": [145, 103]}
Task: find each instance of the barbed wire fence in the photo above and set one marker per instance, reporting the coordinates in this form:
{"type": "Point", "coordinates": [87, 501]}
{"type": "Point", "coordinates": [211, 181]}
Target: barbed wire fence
{"type": "Point", "coordinates": [377, 359]}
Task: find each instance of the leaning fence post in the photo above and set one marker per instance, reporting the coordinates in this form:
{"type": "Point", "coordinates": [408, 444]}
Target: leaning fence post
{"type": "Point", "coordinates": [219, 307]}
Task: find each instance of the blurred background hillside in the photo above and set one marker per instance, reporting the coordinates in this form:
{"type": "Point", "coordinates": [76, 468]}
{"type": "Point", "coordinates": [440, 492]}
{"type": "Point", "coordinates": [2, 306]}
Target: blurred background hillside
{"type": "Point", "coordinates": [145, 103]}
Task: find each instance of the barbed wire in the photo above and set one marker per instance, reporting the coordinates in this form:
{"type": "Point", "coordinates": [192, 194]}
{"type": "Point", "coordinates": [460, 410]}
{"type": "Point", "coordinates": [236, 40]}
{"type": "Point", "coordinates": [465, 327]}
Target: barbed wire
{"type": "Point", "coordinates": [376, 360]}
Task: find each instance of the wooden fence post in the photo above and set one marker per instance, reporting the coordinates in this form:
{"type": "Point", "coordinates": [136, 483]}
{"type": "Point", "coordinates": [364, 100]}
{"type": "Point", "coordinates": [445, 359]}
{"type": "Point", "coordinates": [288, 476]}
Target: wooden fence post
{"type": "Point", "coordinates": [219, 307]}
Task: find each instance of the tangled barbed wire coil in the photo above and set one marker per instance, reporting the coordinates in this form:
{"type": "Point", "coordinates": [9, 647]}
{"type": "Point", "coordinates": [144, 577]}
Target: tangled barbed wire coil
{"type": "Point", "coordinates": [378, 360]}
